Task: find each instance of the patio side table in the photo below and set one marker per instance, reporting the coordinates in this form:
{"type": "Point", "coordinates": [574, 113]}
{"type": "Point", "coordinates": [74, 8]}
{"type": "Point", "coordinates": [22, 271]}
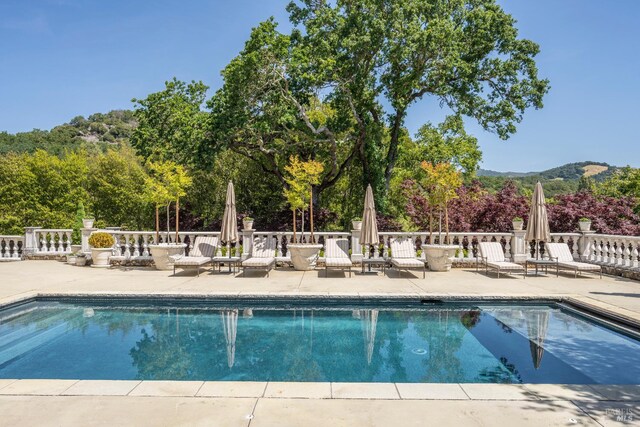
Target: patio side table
{"type": "Point", "coordinates": [378, 262]}
{"type": "Point", "coordinates": [233, 261]}
{"type": "Point", "coordinates": [541, 264]}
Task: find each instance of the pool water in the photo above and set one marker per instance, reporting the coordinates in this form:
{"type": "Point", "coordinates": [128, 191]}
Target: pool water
{"type": "Point", "coordinates": [489, 343]}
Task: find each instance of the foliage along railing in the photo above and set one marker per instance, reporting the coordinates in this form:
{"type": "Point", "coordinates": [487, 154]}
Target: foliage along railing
{"type": "Point", "coordinates": [11, 247]}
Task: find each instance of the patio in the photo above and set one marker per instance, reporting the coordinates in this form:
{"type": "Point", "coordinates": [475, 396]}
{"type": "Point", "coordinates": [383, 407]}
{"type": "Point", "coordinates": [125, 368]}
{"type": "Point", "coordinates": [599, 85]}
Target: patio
{"type": "Point", "coordinates": [261, 403]}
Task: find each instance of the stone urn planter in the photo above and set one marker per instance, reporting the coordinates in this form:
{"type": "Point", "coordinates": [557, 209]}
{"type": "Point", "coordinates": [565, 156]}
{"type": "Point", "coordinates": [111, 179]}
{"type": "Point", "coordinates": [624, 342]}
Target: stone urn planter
{"type": "Point", "coordinates": [88, 222]}
{"type": "Point", "coordinates": [304, 255]}
{"type": "Point", "coordinates": [75, 249]}
{"type": "Point", "coordinates": [357, 224]}
{"type": "Point", "coordinates": [162, 254]}
{"type": "Point", "coordinates": [584, 224]}
{"type": "Point", "coordinates": [440, 257]}
{"type": "Point", "coordinates": [100, 257]}
{"type": "Point", "coordinates": [517, 224]}
{"type": "Point", "coordinates": [81, 260]}
{"type": "Point", "coordinates": [247, 224]}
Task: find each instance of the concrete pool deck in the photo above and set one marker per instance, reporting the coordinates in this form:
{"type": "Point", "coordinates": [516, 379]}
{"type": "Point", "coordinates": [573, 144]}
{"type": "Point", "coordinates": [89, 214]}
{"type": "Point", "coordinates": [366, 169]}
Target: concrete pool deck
{"type": "Point", "coordinates": [63, 402]}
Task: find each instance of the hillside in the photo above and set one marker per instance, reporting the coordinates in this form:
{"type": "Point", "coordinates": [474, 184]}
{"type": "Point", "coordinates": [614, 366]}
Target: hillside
{"type": "Point", "coordinates": [571, 171]}
{"type": "Point", "coordinates": [559, 180]}
{"type": "Point", "coordinates": [98, 129]}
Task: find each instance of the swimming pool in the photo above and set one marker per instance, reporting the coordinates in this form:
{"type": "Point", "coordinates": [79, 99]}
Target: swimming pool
{"type": "Point", "coordinates": [345, 341]}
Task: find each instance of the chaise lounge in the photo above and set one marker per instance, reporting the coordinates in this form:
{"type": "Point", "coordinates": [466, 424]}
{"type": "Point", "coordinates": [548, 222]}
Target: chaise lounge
{"type": "Point", "coordinates": [336, 254]}
{"type": "Point", "coordinates": [491, 255]}
{"type": "Point", "coordinates": [403, 256]}
{"type": "Point", "coordinates": [263, 254]}
{"type": "Point", "coordinates": [204, 248]}
{"type": "Point", "coordinates": [561, 254]}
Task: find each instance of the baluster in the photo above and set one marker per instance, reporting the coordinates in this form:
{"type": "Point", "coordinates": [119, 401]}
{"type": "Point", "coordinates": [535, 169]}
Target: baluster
{"type": "Point", "coordinates": [634, 256]}
{"type": "Point", "coordinates": [47, 242]}
{"type": "Point", "coordinates": [608, 252]}
{"type": "Point", "coordinates": [145, 244]}
{"type": "Point", "coordinates": [507, 246]}
{"type": "Point", "coordinates": [620, 245]}
{"type": "Point", "coordinates": [626, 257]}
{"type": "Point", "coordinates": [136, 244]}
{"type": "Point", "coordinates": [125, 240]}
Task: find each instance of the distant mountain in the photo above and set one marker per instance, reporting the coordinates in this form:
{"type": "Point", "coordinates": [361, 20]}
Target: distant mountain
{"type": "Point", "coordinates": [114, 127]}
{"type": "Point", "coordinates": [570, 171]}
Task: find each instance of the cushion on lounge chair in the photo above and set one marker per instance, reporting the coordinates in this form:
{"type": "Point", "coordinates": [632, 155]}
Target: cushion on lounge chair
{"type": "Point", "coordinates": [258, 262]}
{"type": "Point", "coordinates": [505, 266]}
{"type": "Point", "coordinates": [192, 261]}
{"type": "Point", "coordinates": [407, 262]}
{"type": "Point", "coordinates": [492, 251]}
{"type": "Point", "coordinates": [336, 248]}
{"type": "Point", "coordinates": [580, 266]}
{"type": "Point", "coordinates": [402, 247]}
{"type": "Point", "coordinates": [264, 247]}
{"type": "Point", "coordinates": [337, 253]}
{"type": "Point", "coordinates": [338, 262]}
{"type": "Point", "coordinates": [205, 246]}
{"type": "Point", "coordinates": [559, 252]}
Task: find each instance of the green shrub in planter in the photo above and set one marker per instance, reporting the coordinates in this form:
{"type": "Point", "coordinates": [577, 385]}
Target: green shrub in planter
{"type": "Point", "coordinates": [101, 240]}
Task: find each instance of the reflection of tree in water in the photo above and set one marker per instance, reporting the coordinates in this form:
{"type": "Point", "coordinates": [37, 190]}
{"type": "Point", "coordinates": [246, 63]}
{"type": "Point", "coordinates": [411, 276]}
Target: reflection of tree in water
{"type": "Point", "coordinates": [498, 374]}
{"type": "Point", "coordinates": [172, 344]}
{"type": "Point", "coordinates": [444, 332]}
{"type": "Point", "coordinates": [390, 336]}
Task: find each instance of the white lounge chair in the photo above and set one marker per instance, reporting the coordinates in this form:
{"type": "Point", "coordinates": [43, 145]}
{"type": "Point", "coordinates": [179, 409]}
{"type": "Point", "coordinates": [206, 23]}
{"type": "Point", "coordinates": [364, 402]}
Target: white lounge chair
{"type": "Point", "coordinates": [561, 254]}
{"type": "Point", "coordinates": [263, 254]}
{"type": "Point", "coordinates": [491, 255]}
{"type": "Point", "coordinates": [336, 253]}
{"type": "Point", "coordinates": [204, 248]}
{"type": "Point", "coordinates": [403, 255]}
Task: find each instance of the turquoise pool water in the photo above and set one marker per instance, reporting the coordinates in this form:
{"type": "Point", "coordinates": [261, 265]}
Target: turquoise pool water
{"type": "Point", "coordinates": [409, 342]}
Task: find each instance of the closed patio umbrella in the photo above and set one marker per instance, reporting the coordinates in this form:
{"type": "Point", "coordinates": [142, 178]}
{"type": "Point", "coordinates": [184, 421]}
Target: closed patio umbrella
{"type": "Point", "coordinates": [537, 325]}
{"type": "Point", "coordinates": [369, 231]}
{"type": "Point", "coordinates": [229, 229]}
{"type": "Point", "coordinates": [230, 327]}
{"type": "Point", "coordinates": [538, 224]}
{"type": "Point", "coordinates": [369, 324]}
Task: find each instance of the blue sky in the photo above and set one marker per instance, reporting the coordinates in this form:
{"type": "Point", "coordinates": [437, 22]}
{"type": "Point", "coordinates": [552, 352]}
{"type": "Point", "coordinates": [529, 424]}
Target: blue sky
{"type": "Point", "coordinates": [63, 58]}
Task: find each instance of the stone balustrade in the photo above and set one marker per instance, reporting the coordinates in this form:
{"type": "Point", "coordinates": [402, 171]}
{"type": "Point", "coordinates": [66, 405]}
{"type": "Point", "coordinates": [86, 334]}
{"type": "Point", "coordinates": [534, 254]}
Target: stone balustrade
{"type": "Point", "coordinates": [11, 247]}
{"type": "Point", "coordinates": [49, 241]}
{"type": "Point", "coordinates": [619, 253]}
{"type": "Point", "coordinates": [615, 252]}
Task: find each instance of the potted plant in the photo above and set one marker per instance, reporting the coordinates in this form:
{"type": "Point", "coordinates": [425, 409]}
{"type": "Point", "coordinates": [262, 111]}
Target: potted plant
{"type": "Point", "coordinates": [81, 259]}
{"type": "Point", "coordinates": [247, 223]}
{"type": "Point", "coordinates": [439, 184]}
{"type": "Point", "coordinates": [71, 258]}
{"type": "Point", "coordinates": [302, 176]}
{"type": "Point", "coordinates": [101, 248]}
{"type": "Point", "coordinates": [584, 224]}
{"type": "Point", "coordinates": [357, 223]}
{"type": "Point", "coordinates": [88, 222]}
{"type": "Point", "coordinates": [167, 181]}
{"type": "Point", "coordinates": [517, 223]}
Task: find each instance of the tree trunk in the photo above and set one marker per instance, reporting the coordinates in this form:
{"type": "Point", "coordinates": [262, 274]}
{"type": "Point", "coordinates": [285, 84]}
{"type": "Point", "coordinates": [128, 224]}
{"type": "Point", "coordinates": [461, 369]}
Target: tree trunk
{"type": "Point", "coordinates": [294, 226]}
{"type": "Point", "coordinates": [446, 225]}
{"type": "Point", "coordinates": [311, 215]}
{"type": "Point", "coordinates": [168, 230]}
{"type": "Point", "coordinates": [177, 219]}
{"type": "Point", "coordinates": [430, 226]}
{"type": "Point", "coordinates": [392, 154]}
{"type": "Point", "coordinates": [157, 224]}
